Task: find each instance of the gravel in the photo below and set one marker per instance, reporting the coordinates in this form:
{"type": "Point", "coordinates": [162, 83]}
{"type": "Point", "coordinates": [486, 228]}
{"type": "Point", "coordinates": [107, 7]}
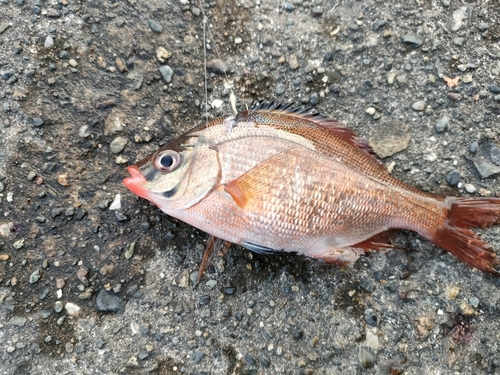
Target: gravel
{"type": "Point", "coordinates": [88, 90]}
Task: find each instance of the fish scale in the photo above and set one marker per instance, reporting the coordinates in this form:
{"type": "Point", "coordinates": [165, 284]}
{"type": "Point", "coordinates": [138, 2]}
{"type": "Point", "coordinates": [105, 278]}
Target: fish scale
{"type": "Point", "coordinates": [273, 179]}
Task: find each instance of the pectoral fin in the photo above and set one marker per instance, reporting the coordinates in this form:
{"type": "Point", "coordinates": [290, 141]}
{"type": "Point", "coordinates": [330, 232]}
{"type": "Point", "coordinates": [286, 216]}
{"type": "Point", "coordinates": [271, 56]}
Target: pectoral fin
{"type": "Point", "coordinates": [256, 185]}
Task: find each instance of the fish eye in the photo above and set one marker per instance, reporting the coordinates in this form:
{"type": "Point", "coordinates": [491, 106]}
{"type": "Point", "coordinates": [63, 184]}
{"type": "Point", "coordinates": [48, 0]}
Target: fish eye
{"type": "Point", "coordinates": [166, 161]}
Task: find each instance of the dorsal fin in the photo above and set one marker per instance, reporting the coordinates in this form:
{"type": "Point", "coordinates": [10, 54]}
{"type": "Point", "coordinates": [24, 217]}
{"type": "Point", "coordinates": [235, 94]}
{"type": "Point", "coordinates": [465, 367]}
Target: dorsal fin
{"type": "Point", "coordinates": [308, 114]}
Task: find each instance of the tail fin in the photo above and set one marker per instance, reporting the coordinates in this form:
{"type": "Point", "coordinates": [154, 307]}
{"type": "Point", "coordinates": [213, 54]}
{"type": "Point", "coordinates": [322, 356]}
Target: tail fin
{"type": "Point", "coordinates": [456, 237]}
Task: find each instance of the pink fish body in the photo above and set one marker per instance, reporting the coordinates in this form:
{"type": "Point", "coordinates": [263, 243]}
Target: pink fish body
{"type": "Point", "coordinates": [278, 179]}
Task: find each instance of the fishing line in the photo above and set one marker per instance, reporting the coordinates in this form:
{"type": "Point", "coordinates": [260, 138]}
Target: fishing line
{"type": "Point", "coordinates": [228, 83]}
{"type": "Point", "coordinates": [233, 104]}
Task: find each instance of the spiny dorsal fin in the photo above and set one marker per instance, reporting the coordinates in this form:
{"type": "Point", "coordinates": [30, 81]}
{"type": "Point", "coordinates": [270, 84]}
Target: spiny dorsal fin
{"type": "Point", "coordinates": [332, 126]}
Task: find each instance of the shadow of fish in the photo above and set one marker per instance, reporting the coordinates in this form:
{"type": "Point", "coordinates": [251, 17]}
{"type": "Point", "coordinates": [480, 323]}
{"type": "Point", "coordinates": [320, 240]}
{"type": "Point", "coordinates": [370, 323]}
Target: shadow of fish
{"type": "Point", "coordinates": [278, 179]}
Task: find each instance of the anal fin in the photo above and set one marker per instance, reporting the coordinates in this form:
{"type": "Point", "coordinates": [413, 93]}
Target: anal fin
{"type": "Point", "coordinates": [378, 242]}
{"type": "Point", "coordinates": [348, 255]}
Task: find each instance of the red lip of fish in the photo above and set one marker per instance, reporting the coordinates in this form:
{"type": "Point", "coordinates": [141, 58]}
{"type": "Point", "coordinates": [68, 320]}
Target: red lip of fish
{"type": "Point", "coordinates": [135, 183]}
{"type": "Point", "coordinates": [278, 179]}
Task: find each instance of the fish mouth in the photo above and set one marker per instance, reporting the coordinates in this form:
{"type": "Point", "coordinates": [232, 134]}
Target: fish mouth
{"type": "Point", "coordinates": [136, 182]}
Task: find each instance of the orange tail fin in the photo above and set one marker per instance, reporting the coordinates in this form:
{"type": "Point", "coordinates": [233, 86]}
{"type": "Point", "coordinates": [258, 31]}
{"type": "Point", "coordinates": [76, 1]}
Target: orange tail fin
{"type": "Point", "coordinates": [456, 237]}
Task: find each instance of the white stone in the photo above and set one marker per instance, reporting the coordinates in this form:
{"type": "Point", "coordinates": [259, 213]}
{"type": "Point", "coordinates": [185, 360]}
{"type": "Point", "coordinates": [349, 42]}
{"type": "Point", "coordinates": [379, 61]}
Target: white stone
{"type": "Point", "coordinates": [72, 308]}
{"type": "Point", "coordinates": [217, 103]}
{"type": "Point", "coordinates": [117, 203]}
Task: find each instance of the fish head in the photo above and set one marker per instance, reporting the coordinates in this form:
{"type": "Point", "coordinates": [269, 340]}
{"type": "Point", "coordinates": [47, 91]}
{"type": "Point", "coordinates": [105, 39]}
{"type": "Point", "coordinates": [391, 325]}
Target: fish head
{"type": "Point", "coordinates": [177, 176]}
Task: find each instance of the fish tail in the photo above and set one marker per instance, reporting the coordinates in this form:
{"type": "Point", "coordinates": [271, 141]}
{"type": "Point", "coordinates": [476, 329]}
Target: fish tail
{"type": "Point", "coordinates": [456, 236]}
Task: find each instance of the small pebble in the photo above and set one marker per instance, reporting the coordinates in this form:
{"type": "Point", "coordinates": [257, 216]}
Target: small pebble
{"type": "Point", "coordinates": [64, 55]}
{"type": "Point", "coordinates": [35, 276]}
{"type": "Point", "coordinates": [371, 318]}
{"type": "Point", "coordinates": [412, 39]}
{"type": "Point", "coordinates": [452, 178]}
{"type": "Point", "coordinates": [280, 89]}
{"type": "Point", "coordinates": [37, 121]}
{"type": "Point", "coordinates": [58, 306]}
{"type": "Point", "coordinates": [69, 347]}
{"type": "Point", "coordinates": [211, 284]}
{"type": "Point", "coordinates": [371, 111]}
{"type": "Point", "coordinates": [366, 357]}
{"type": "Point", "coordinates": [418, 106]}
{"type": "Point", "coordinates": [473, 147]}
{"type": "Point", "coordinates": [442, 124]}
{"type": "Point", "coordinates": [495, 89]}
{"type": "Point", "coordinates": [130, 251]}
{"type": "Point", "coordinates": [471, 189]}
{"type": "Point", "coordinates": [483, 26]}
{"type": "Point", "coordinates": [18, 244]}
{"type": "Point", "coordinates": [16, 320]}
{"type": "Point", "coordinates": [72, 308]}
{"type": "Point", "coordinates": [265, 360]}
{"type": "Point", "coordinates": [157, 28]}
{"type": "Point", "coordinates": [166, 73]}
{"type": "Point", "coordinates": [217, 66]}
{"type": "Point", "coordinates": [317, 12]}
{"type": "Point", "coordinates": [62, 180]}
{"type": "Point", "coordinates": [289, 7]}
{"type": "Point", "coordinates": [110, 302]}
{"type": "Point", "coordinates": [314, 99]}
{"type": "Point", "coordinates": [162, 54]}
{"type": "Point", "coordinates": [293, 62]}
{"type": "Point", "coordinates": [118, 145]}
{"type": "Point", "coordinates": [197, 356]}
{"type": "Point", "coordinates": [495, 155]}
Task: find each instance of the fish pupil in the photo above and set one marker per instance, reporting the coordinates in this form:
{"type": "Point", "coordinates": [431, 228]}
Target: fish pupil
{"type": "Point", "coordinates": [167, 161]}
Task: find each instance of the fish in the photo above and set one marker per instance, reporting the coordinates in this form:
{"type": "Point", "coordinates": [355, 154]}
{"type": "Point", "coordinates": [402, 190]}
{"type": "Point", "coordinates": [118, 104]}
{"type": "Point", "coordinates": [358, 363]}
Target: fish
{"type": "Point", "coordinates": [276, 178]}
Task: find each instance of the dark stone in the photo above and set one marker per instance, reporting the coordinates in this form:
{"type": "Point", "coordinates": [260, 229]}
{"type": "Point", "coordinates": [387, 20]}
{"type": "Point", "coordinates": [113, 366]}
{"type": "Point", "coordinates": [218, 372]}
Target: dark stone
{"type": "Point", "coordinates": [143, 354]}
{"type": "Point", "coordinates": [495, 155]}
{"type": "Point", "coordinates": [335, 88]}
{"type": "Point", "coordinates": [452, 178]}
{"type": "Point", "coordinates": [64, 55]}
{"type": "Point", "coordinates": [314, 99]}
{"type": "Point", "coordinates": [412, 39]}
{"type": "Point", "coordinates": [157, 28]}
{"type": "Point", "coordinates": [216, 66]}
{"type": "Point", "coordinates": [392, 286]}
{"type": "Point", "coordinates": [297, 335]}
{"type": "Point", "coordinates": [80, 213]}
{"type": "Point", "coordinates": [6, 75]}
{"type": "Point", "coordinates": [378, 24]}
{"type": "Point", "coordinates": [37, 121]}
{"type": "Point", "coordinates": [204, 300]}
{"type": "Point", "coordinates": [109, 302]}
{"type": "Point", "coordinates": [371, 318]}
{"type": "Point", "coordinates": [265, 360]}
{"type": "Point", "coordinates": [495, 89]}
{"type": "Point", "coordinates": [197, 356]}
{"type": "Point", "coordinates": [250, 359]}
{"type": "Point", "coordinates": [367, 284]}
{"type": "Point", "coordinates": [317, 12]}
